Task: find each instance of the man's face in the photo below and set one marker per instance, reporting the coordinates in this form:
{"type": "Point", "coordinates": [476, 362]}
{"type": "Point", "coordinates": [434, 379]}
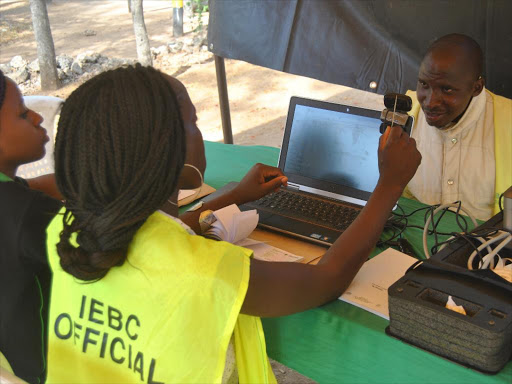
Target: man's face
{"type": "Point", "coordinates": [22, 138]}
{"type": "Point", "coordinates": [445, 86]}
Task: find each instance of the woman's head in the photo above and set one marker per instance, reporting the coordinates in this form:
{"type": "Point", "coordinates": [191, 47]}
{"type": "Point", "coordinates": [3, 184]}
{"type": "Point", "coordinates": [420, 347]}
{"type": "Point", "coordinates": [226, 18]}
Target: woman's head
{"type": "Point", "coordinates": [22, 138]}
{"type": "Point", "coordinates": [119, 151]}
{"type": "Point", "coordinates": [195, 145]}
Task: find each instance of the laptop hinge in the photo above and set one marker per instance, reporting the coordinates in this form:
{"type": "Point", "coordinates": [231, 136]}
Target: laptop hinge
{"type": "Point", "coordinates": [292, 186]}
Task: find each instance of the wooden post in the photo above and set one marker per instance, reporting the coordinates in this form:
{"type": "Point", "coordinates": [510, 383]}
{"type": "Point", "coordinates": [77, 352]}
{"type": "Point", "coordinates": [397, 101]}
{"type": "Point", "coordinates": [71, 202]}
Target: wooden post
{"type": "Point", "coordinates": [177, 18]}
{"type": "Point", "coordinates": [222, 86]}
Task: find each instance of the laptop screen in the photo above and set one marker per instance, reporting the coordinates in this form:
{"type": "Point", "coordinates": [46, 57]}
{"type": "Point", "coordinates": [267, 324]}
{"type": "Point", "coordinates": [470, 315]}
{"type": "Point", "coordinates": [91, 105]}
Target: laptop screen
{"type": "Point", "coordinates": [331, 147]}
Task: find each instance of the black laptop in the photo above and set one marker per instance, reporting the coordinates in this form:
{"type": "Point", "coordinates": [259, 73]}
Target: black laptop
{"type": "Point", "coordinates": [329, 154]}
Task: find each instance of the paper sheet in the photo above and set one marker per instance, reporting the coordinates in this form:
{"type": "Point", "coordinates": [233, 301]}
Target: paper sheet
{"type": "Point", "coordinates": [232, 225]}
{"type": "Point", "coordinates": [452, 306]}
{"type": "Point", "coordinates": [369, 289]}
{"type": "Point", "coordinates": [187, 196]}
{"type": "Point", "coordinates": [266, 252]}
{"type": "Point", "coordinates": [184, 193]}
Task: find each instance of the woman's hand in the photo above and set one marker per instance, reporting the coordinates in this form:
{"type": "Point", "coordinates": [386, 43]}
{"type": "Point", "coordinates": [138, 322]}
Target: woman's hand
{"type": "Point", "coordinates": [398, 158]}
{"type": "Point", "coordinates": [259, 181]}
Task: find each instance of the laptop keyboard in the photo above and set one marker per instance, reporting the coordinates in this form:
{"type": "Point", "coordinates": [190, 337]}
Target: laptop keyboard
{"type": "Point", "coordinates": [312, 210]}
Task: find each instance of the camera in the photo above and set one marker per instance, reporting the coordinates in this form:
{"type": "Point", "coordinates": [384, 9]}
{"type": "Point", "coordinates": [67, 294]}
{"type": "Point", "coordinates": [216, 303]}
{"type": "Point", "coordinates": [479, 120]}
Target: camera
{"type": "Point", "coordinates": [395, 113]}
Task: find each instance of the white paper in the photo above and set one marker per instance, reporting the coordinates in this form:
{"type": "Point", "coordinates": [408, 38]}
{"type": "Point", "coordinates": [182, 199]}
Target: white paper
{"type": "Point", "coordinates": [187, 196]}
{"type": "Point", "coordinates": [248, 242]}
{"type": "Point", "coordinates": [369, 289]}
{"type": "Point", "coordinates": [184, 193]}
{"type": "Point", "coordinates": [243, 224]}
{"type": "Point", "coordinates": [266, 252]}
{"type": "Point", "coordinates": [452, 306]}
{"type": "Point", "coordinates": [225, 218]}
{"type": "Point", "coordinates": [232, 225]}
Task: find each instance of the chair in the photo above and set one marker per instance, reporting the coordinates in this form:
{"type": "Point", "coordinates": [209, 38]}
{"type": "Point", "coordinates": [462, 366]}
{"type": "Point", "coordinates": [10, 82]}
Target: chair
{"type": "Point", "coordinates": [48, 107]}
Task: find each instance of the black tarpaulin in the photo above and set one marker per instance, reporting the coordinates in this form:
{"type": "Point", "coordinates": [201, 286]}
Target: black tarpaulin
{"type": "Point", "coordinates": [357, 42]}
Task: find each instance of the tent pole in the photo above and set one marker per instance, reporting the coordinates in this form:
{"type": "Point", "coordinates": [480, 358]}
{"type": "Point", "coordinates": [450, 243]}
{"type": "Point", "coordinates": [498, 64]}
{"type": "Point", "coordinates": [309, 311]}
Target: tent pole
{"type": "Point", "coordinates": [222, 87]}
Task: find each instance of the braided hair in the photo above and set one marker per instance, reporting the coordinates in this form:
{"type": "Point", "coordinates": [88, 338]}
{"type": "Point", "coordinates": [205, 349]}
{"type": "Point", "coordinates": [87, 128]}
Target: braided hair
{"type": "Point", "coordinates": [119, 151]}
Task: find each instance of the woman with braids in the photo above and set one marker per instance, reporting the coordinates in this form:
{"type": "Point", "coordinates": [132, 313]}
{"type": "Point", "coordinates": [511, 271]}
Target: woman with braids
{"type": "Point", "coordinates": [136, 295]}
{"type": "Point", "coordinates": [24, 216]}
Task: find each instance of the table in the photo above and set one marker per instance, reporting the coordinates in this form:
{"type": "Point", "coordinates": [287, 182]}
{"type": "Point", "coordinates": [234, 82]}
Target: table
{"type": "Point", "coordinates": [338, 342]}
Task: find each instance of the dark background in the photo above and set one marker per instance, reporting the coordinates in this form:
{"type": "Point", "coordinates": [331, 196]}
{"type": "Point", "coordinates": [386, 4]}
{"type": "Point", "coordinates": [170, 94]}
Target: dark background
{"type": "Point", "coordinates": [356, 42]}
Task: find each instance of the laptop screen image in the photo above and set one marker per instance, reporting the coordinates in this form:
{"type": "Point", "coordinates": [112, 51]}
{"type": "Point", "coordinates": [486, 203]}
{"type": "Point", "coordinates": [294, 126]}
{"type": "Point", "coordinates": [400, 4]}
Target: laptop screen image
{"type": "Point", "coordinates": [331, 147]}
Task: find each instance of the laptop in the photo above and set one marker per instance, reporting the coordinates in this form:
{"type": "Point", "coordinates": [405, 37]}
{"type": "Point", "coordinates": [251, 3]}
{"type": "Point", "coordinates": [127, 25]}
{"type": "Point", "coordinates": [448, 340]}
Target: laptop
{"type": "Point", "coordinates": [329, 154]}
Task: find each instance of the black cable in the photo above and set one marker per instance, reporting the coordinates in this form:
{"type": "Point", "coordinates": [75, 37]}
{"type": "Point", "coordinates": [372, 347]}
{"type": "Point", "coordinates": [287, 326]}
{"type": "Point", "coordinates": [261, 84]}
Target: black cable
{"type": "Point", "coordinates": [413, 212]}
{"type": "Point", "coordinates": [430, 232]}
{"type": "Point", "coordinates": [397, 226]}
{"type": "Point", "coordinates": [400, 223]}
{"type": "Point", "coordinates": [458, 216]}
{"type": "Point", "coordinates": [500, 202]}
{"type": "Point", "coordinates": [395, 235]}
{"type": "Point", "coordinates": [434, 228]}
{"type": "Point", "coordinates": [457, 236]}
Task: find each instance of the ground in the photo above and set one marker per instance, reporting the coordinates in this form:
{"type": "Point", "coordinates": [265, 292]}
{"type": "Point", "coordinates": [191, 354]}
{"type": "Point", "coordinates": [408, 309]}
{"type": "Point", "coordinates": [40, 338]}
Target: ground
{"type": "Point", "coordinates": [258, 96]}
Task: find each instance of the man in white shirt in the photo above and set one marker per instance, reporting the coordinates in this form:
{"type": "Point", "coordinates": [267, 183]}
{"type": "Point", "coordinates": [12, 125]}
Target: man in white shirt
{"type": "Point", "coordinates": [455, 130]}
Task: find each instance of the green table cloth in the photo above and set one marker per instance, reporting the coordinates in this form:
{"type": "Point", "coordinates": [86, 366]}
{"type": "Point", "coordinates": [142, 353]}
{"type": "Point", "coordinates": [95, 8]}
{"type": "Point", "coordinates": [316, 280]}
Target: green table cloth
{"type": "Point", "coordinates": [338, 342]}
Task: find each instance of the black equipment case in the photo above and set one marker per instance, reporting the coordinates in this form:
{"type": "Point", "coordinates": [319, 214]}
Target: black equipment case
{"type": "Point", "coordinates": [481, 339]}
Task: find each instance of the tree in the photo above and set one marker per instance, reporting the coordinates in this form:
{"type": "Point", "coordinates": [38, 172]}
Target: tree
{"type": "Point", "coordinates": [45, 48]}
{"type": "Point", "coordinates": [141, 35]}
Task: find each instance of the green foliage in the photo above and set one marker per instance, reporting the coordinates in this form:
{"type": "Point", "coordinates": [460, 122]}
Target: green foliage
{"type": "Point", "coordinates": [198, 7]}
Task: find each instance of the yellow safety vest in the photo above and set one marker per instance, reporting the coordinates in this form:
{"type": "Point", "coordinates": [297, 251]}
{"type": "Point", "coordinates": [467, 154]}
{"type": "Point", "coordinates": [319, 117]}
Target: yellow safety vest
{"type": "Point", "coordinates": [165, 316]}
{"type": "Point", "coordinates": [502, 142]}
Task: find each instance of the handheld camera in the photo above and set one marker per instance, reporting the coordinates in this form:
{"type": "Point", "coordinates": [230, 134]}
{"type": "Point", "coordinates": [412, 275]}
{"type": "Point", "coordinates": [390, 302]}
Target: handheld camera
{"type": "Point", "coordinates": [395, 113]}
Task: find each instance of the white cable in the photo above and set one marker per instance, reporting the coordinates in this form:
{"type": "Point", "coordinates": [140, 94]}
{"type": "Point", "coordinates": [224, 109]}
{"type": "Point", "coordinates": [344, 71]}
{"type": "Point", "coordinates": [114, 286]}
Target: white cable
{"type": "Point", "coordinates": [427, 223]}
{"type": "Point", "coordinates": [486, 260]}
{"type": "Point", "coordinates": [490, 256]}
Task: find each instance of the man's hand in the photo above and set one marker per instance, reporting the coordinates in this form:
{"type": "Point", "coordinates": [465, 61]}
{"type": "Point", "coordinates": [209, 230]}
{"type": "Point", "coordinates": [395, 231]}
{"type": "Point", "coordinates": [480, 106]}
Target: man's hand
{"type": "Point", "coordinates": [398, 157]}
{"type": "Point", "coordinates": [259, 181]}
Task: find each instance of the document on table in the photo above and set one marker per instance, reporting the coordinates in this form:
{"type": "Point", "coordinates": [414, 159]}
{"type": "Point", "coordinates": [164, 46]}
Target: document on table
{"type": "Point", "coordinates": [187, 196]}
{"type": "Point", "coordinates": [232, 225]}
{"type": "Point", "coordinates": [266, 252]}
{"type": "Point", "coordinates": [369, 289]}
{"type": "Point", "coordinates": [184, 193]}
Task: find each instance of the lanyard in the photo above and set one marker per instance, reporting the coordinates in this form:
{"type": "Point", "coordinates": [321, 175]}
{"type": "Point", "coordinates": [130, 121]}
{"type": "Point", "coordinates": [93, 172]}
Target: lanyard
{"type": "Point", "coordinates": [4, 177]}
